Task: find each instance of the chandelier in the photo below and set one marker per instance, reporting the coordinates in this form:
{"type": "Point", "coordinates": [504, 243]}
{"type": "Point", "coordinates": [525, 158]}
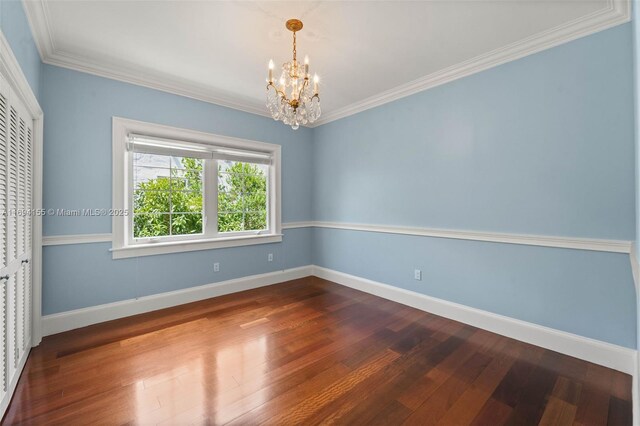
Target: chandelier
{"type": "Point", "coordinates": [292, 99]}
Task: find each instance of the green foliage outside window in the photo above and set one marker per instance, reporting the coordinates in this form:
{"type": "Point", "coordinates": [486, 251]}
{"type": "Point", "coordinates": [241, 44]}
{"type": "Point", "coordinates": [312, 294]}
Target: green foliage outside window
{"type": "Point", "coordinates": [170, 205]}
{"type": "Point", "coordinates": [173, 205]}
{"type": "Point", "coordinates": [242, 198]}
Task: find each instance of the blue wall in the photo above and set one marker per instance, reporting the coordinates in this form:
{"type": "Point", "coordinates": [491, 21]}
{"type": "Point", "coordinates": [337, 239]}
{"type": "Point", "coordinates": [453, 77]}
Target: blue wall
{"type": "Point", "coordinates": [77, 174]}
{"type": "Point", "coordinates": [542, 145]}
{"type": "Point", "coordinates": [583, 292]}
{"type": "Point", "coordinates": [82, 275]}
{"type": "Point", "coordinates": [15, 27]}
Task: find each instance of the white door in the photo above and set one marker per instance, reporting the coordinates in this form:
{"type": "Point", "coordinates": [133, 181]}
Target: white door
{"type": "Point", "coordinates": [16, 184]}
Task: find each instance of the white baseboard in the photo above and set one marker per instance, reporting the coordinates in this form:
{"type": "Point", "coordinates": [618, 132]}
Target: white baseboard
{"type": "Point", "coordinates": [65, 321]}
{"type": "Point", "coordinates": [606, 354]}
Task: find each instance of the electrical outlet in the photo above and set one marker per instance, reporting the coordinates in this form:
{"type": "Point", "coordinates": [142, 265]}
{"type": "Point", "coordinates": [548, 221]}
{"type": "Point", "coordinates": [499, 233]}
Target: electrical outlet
{"type": "Point", "coordinates": [270, 257]}
{"type": "Point", "coordinates": [417, 274]}
{"type": "Point", "coordinates": [216, 267]}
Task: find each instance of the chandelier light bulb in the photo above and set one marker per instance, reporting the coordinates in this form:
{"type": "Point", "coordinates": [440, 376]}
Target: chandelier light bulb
{"type": "Point", "coordinates": [270, 71]}
{"type": "Point", "coordinates": [292, 100]}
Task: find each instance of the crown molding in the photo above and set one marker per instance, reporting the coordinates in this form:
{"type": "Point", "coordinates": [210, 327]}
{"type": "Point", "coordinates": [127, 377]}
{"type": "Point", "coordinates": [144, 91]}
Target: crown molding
{"type": "Point", "coordinates": [617, 12]}
{"type": "Point", "coordinates": [37, 16]}
{"type": "Point", "coordinates": [144, 78]}
{"type": "Point", "coordinates": [10, 69]}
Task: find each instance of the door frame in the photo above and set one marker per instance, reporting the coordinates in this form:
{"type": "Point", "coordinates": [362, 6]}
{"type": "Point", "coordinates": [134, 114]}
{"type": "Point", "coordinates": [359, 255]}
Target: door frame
{"type": "Point", "coordinates": [11, 71]}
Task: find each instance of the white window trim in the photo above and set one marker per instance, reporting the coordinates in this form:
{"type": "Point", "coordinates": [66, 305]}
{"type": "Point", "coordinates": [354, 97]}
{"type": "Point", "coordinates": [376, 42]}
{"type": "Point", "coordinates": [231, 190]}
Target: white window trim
{"type": "Point", "coordinates": [121, 248]}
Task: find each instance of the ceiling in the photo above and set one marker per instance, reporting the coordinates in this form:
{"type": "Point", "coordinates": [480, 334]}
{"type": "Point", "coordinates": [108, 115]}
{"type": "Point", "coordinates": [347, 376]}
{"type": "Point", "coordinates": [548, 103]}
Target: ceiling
{"type": "Point", "coordinates": [365, 52]}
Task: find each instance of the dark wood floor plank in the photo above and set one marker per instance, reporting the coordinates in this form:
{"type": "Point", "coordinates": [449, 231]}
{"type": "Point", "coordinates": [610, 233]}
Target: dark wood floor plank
{"type": "Point", "coordinates": [535, 393]}
{"type": "Point", "coordinates": [307, 351]}
{"type": "Point", "coordinates": [619, 412]}
{"type": "Point", "coordinates": [558, 412]}
{"type": "Point", "coordinates": [493, 413]}
{"type": "Point", "coordinates": [445, 396]}
{"type": "Point", "coordinates": [362, 404]}
{"type": "Point", "coordinates": [471, 402]}
{"type": "Point", "coordinates": [593, 407]}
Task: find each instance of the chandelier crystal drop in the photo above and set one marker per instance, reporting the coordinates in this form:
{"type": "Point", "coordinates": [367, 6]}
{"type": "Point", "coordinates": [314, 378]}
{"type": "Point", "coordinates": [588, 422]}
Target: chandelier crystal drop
{"type": "Point", "coordinates": [292, 98]}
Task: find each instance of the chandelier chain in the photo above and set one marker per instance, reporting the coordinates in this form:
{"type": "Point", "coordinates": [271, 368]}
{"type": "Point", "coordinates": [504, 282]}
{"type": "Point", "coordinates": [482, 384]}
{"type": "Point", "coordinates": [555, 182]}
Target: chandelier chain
{"type": "Point", "coordinates": [294, 47]}
{"type": "Point", "coordinates": [291, 98]}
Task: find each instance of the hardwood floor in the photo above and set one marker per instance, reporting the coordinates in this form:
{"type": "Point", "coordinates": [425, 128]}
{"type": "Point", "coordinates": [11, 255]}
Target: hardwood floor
{"type": "Point", "coordinates": [306, 352]}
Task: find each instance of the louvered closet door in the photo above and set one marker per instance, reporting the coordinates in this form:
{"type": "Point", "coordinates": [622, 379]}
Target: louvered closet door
{"type": "Point", "coordinates": [4, 126]}
{"type": "Point", "coordinates": [16, 187]}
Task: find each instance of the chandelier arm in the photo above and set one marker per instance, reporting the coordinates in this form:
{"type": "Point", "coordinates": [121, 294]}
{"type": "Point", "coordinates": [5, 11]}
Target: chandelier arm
{"type": "Point", "coordinates": [282, 94]}
{"type": "Point", "coordinates": [304, 85]}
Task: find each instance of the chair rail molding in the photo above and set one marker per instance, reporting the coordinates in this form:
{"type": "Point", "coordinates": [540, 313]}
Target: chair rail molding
{"type": "Point", "coordinates": [59, 240]}
{"type": "Point", "coordinates": [613, 246]}
{"type": "Point", "coordinates": [616, 12]}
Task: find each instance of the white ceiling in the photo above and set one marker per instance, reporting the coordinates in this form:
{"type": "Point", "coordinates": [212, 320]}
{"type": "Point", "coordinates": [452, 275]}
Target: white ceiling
{"type": "Point", "coordinates": [365, 52]}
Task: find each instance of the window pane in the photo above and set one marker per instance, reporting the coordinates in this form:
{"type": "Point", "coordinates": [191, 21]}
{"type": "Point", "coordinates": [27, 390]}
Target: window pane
{"type": "Point", "coordinates": [158, 176]}
{"type": "Point", "coordinates": [167, 198]}
{"type": "Point", "coordinates": [230, 222]}
{"type": "Point", "coordinates": [229, 183]}
{"type": "Point", "coordinates": [186, 223]}
{"type": "Point", "coordinates": [150, 225]}
{"type": "Point", "coordinates": [186, 202]}
{"type": "Point", "coordinates": [255, 201]}
{"type": "Point", "coordinates": [151, 160]}
{"type": "Point", "coordinates": [229, 201]}
{"type": "Point", "coordinates": [151, 201]}
{"type": "Point", "coordinates": [255, 221]}
{"type": "Point", "coordinates": [189, 177]}
{"type": "Point", "coordinates": [242, 196]}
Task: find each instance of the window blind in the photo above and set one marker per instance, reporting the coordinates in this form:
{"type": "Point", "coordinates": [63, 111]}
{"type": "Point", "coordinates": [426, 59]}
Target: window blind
{"type": "Point", "coordinates": [154, 145]}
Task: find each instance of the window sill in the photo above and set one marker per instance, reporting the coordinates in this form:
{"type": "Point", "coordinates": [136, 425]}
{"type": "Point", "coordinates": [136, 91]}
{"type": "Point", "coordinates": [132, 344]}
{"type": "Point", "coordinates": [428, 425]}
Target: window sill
{"type": "Point", "coordinates": [193, 245]}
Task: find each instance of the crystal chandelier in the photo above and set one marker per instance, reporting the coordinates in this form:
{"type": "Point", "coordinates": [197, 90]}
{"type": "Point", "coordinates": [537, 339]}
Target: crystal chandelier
{"type": "Point", "coordinates": [292, 99]}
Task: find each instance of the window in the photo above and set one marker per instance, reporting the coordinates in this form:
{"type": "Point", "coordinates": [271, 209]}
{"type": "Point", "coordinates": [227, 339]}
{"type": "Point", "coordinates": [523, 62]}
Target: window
{"type": "Point", "coordinates": [181, 190]}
